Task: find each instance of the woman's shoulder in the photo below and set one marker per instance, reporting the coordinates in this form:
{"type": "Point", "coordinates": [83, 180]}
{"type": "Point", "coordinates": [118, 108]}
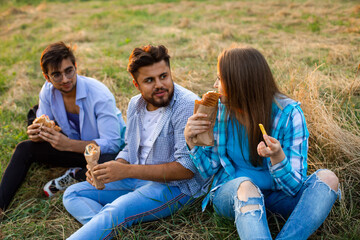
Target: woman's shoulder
{"type": "Point", "coordinates": [287, 109]}
{"type": "Point", "coordinates": [282, 101]}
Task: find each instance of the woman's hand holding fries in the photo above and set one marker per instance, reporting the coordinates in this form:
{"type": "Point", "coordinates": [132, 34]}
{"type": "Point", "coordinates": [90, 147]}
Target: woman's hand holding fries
{"type": "Point", "coordinates": [273, 150]}
{"type": "Point", "coordinates": [194, 126]}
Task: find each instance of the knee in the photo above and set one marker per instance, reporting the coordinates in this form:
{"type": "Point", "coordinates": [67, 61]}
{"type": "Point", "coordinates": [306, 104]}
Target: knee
{"type": "Point", "coordinates": [329, 178]}
{"type": "Point", "coordinates": [23, 147]}
{"type": "Point", "coordinates": [245, 191]}
{"type": "Point", "coordinates": [22, 152]}
{"type": "Point", "coordinates": [69, 194]}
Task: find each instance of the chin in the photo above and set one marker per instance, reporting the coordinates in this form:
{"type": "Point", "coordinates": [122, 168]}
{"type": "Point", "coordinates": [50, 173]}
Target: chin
{"type": "Point", "coordinates": [223, 99]}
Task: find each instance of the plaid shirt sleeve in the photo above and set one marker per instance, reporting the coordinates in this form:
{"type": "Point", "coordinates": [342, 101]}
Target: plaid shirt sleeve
{"type": "Point", "coordinates": [206, 160]}
{"type": "Point", "coordinates": [291, 172]}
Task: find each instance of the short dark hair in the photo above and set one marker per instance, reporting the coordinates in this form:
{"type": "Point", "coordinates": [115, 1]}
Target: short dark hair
{"type": "Point", "coordinates": [54, 54]}
{"type": "Point", "coordinates": [146, 56]}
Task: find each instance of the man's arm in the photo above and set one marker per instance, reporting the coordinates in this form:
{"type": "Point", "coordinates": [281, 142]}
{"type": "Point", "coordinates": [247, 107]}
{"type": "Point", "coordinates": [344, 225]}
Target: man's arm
{"type": "Point", "coordinates": [116, 170]}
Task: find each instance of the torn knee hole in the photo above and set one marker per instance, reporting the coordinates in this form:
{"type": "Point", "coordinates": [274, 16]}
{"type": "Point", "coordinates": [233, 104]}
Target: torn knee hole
{"type": "Point", "coordinates": [249, 208]}
{"type": "Point", "coordinates": [247, 190]}
{"type": "Point", "coordinates": [329, 178]}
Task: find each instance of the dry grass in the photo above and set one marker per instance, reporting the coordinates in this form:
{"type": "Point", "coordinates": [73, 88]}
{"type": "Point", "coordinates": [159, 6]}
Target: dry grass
{"type": "Point", "coordinates": [312, 48]}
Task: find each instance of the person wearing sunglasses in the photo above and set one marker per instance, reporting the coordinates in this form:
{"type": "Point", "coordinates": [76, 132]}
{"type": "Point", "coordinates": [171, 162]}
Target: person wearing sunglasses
{"type": "Point", "coordinates": [86, 112]}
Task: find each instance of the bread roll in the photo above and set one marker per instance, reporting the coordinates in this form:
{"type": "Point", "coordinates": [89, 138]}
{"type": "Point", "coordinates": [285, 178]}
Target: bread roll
{"type": "Point", "coordinates": [44, 120]}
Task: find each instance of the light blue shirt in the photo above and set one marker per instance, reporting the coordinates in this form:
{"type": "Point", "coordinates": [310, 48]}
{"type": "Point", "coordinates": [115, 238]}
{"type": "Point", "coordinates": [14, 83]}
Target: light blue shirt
{"type": "Point", "coordinates": [100, 119]}
{"type": "Point", "coordinates": [168, 143]}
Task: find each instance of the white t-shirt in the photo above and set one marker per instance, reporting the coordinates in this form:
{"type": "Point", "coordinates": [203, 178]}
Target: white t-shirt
{"type": "Point", "coordinates": [149, 123]}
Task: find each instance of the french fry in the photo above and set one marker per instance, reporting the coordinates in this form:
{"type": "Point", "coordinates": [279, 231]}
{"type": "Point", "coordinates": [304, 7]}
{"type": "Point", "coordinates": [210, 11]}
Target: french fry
{"type": "Point", "coordinates": [262, 129]}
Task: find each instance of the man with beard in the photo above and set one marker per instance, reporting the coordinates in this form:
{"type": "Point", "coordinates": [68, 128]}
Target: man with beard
{"type": "Point", "coordinates": [153, 176]}
{"type": "Point", "coordinates": [86, 112]}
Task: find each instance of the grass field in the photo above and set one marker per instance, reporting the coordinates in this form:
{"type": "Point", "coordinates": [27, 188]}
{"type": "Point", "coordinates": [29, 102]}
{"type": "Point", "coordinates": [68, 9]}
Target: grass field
{"type": "Point", "coordinates": [312, 48]}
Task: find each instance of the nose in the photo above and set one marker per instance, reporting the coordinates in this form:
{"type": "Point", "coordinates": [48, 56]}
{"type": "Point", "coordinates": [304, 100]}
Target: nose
{"type": "Point", "coordinates": [158, 83]}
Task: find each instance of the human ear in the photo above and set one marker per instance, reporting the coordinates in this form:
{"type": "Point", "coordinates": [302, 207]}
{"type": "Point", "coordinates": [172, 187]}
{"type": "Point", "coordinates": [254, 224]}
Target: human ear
{"type": "Point", "coordinates": [136, 84]}
{"type": "Point", "coordinates": [46, 77]}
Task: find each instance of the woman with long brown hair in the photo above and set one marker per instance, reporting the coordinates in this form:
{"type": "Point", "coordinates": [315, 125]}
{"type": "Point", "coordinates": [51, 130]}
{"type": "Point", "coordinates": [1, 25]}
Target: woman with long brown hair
{"type": "Point", "coordinates": [254, 172]}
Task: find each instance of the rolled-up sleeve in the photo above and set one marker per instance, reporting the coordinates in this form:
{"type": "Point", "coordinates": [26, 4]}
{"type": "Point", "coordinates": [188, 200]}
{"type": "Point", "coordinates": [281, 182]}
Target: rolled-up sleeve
{"type": "Point", "coordinates": [206, 160]}
{"type": "Point", "coordinates": [290, 173]}
{"type": "Point", "coordinates": [179, 119]}
{"type": "Point", "coordinates": [108, 126]}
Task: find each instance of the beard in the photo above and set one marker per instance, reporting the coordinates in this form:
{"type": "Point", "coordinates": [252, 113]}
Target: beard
{"type": "Point", "coordinates": [161, 102]}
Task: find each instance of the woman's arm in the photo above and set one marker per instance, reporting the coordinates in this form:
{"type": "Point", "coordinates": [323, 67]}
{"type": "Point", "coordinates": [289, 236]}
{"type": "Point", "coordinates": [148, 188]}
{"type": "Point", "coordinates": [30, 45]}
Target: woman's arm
{"type": "Point", "coordinates": [205, 159]}
{"type": "Point", "coordinates": [288, 155]}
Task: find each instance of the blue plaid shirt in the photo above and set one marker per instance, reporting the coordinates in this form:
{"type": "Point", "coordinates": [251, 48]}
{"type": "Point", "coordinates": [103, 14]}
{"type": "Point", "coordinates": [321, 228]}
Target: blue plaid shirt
{"type": "Point", "coordinates": [288, 126]}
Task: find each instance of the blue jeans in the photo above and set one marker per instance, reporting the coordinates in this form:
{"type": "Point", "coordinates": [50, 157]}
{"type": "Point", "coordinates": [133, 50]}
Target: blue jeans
{"type": "Point", "coordinates": [306, 211]}
{"type": "Point", "coordinates": [121, 204]}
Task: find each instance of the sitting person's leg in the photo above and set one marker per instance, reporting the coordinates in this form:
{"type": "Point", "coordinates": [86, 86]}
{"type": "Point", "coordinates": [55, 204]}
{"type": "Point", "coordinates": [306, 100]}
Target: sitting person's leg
{"type": "Point", "coordinates": [241, 200]}
{"type": "Point", "coordinates": [316, 199]}
{"type": "Point", "coordinates": [83, 201]}
{"type": "Point", "coordinates": [24, 155]}
{"type": "Point", "coordinates": [145, 203]}
{"type": "Point", "coordinates": [15, 173]}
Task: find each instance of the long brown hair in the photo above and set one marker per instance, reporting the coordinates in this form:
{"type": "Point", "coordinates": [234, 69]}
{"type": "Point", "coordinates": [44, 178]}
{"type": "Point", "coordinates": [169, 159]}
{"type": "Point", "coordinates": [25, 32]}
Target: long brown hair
{"type": "Point", "coordinates": [250, 88]}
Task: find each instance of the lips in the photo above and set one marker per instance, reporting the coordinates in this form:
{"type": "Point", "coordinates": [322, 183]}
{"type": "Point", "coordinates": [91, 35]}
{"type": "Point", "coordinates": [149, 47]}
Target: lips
{"type": "Point", "coordinates": [160, 93]}
{"type": "Point", "coordinates": [67, 85]}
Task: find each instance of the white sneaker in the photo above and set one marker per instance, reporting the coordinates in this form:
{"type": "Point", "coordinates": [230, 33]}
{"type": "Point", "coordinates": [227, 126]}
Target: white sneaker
{"type": "Point", "coordinates": [60, 183]}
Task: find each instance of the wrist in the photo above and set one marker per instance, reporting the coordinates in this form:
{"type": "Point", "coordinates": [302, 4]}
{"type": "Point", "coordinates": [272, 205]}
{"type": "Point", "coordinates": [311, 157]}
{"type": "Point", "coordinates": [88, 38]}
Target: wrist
{"type": "Point", "coordinates": [69, 145]}
{"type": "Point", "coordinates": [129, 169]}
{"type": "Point", "coordinates": [189, 142]}
{"type": "Point", "coordinates": [278, 157]}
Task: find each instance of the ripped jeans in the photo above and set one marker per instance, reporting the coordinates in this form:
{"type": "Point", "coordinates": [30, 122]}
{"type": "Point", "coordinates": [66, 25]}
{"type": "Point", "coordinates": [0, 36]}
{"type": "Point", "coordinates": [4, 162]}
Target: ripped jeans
{"type": "Point", "coordinates": [307, 210]}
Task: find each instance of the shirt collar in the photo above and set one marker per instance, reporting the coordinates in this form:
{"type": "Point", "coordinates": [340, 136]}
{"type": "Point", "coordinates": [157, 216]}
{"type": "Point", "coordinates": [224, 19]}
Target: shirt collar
{"type": "Point", "coordinates": [81, 88]}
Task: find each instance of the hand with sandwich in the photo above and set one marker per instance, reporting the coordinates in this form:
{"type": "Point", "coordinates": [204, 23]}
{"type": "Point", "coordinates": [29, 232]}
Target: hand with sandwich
{"type": "Point", "coordinates": [98, 174]}
{"type": "Point", "coordinates": [35, 128]}
{"type": "Point", "coordinates": [44, 129]}
{"type": "Point", "coordinates": [198, 129]}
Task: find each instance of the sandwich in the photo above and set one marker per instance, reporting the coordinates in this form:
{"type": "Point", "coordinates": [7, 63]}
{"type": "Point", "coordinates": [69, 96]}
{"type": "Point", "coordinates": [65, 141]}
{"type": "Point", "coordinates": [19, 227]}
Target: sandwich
{"type": "Point", "coordinates": [44, 120]}
{"type": "Point", "coordinates": [92, 154]}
